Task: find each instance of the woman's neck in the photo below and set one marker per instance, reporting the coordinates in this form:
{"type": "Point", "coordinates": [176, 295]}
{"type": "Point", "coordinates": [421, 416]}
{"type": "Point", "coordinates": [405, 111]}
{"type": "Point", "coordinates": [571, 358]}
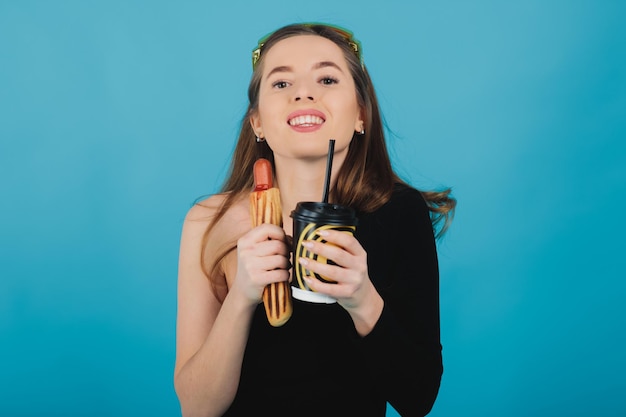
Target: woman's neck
{"type": "Point", "coordinates": [301, 180]}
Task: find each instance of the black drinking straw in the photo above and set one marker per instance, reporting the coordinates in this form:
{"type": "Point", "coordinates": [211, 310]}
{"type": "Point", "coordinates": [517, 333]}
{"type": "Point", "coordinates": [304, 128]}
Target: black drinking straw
{"type": "Point", "coordinates": [329, 166]}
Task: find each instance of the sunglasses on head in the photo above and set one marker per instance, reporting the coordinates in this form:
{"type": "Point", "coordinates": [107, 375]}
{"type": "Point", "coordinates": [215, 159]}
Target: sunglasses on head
{"type": "Point", "coordinates": [354, 44]}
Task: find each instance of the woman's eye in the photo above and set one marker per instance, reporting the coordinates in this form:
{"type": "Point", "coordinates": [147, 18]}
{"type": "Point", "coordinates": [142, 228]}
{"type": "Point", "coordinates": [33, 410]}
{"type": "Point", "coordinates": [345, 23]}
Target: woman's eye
{"type": "Point", "coordinates": [329, 80]}
{"type": "Point", "coordinates": [280, 84]}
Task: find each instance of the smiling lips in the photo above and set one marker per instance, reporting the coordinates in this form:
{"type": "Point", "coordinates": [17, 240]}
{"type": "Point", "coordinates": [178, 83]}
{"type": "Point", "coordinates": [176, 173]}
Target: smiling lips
{"type": "Point", "coordinates": [306, 120]}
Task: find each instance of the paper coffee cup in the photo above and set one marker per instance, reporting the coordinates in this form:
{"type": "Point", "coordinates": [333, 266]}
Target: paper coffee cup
{"type": "Point", "coordinates": [310, 218]}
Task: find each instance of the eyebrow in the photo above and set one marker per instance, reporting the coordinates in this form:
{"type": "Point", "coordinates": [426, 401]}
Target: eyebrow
{"type": "Point", "coordinates": [319, 65]}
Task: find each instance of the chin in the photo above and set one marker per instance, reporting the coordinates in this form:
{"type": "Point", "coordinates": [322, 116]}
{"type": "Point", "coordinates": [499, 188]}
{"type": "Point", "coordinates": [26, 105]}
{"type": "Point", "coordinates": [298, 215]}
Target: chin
{"type": "Point", "coordinates": [308, 147]}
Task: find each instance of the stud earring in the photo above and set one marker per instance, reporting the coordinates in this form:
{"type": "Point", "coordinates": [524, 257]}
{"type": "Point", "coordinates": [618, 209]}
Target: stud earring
{"type": "Point", "coordinates": [259, 139]}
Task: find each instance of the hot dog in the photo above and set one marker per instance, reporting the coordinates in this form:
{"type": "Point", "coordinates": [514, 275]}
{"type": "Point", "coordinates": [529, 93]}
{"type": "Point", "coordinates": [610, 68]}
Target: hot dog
{"type": "Point", "coordinates": [265, 208]}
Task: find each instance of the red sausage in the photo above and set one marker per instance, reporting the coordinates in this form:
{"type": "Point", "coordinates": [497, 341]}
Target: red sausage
{"type": "Point", "coordinates": [262, 175]}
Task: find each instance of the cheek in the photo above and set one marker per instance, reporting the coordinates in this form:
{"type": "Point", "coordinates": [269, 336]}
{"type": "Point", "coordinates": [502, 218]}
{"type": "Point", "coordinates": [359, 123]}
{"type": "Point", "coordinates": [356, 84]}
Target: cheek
{"type": "Point", "coordinates": [350, 112]}
{"type": "Point", "coordinates": [268, 115]}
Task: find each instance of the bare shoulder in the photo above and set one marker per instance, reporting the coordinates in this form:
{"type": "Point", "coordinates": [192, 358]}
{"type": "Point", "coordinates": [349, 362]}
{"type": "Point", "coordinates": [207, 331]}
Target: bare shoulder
{"type": "Point", "coordinates": [204, 211]}
{"type": "Point", "coordinates": [226, 227]}
{"type": "Point", "coordinates": [198, 219]}
{"type": "Point", "coordinates": [232, 223]}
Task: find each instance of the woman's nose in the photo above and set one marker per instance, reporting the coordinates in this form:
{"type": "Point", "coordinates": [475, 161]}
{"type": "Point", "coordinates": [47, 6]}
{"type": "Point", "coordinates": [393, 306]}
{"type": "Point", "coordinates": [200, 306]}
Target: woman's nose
{"type": "Point", "coordinates": [304, 91]}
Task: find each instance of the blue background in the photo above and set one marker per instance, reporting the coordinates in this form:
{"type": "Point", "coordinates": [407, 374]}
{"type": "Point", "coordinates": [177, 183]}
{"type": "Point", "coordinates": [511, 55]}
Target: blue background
{"type": "Point", "coordinates": [116, 115]}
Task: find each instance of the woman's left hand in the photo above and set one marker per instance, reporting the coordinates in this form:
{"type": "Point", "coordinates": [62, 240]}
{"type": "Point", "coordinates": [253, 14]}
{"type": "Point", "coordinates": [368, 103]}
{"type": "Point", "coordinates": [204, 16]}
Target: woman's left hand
{"type": "Point", "coordinates": [353, 289]}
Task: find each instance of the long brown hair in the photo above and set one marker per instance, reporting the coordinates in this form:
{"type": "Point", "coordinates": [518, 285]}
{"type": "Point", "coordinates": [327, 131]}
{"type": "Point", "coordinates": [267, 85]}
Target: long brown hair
{"type": "Point", "coordinates": [366, 179]}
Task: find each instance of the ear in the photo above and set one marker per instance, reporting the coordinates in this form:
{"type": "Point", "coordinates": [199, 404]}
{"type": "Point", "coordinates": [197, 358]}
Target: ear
{"type": "Point", "coordinates": [359, 124]}
{"type": "Point", "coordinates": [255, 122]}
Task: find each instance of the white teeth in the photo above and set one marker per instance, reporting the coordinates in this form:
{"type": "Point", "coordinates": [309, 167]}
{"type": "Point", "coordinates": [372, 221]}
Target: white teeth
{"type": "Point", "coordinates": [306, 120]}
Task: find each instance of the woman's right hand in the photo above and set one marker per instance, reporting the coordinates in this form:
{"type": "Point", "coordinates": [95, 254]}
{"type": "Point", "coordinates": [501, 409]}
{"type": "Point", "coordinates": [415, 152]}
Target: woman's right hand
{"type": "Point", "coordinates": [262, 258]}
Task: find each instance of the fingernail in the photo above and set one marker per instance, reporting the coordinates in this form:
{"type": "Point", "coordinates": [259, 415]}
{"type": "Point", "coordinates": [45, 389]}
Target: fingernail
{"type": "Point", "coordinates": [303, 261]}
{"type": "Point", "coordinates": [323, 233]}
{"type": "Point", "coordinates": [307, 244]}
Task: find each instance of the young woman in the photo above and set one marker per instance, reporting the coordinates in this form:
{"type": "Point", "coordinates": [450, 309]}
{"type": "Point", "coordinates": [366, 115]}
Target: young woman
{"type": "Point", "coordinates": [380, 341]}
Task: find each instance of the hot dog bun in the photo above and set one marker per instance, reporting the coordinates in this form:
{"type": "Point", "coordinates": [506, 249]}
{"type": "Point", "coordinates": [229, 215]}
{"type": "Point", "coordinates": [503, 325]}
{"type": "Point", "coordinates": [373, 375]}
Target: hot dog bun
{"type": "Point", "coordinates": [265, 207]}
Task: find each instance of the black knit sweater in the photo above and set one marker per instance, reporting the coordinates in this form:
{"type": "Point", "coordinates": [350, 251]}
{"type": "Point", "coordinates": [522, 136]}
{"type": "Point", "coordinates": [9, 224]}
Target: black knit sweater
{"type": "Point", "coordinates": [317, 365]}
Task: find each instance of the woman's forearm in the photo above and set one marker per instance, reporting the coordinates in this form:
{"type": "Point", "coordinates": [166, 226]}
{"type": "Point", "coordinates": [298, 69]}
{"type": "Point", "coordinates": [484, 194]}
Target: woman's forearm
{"type": "Point", "coordinates": [206, 385]}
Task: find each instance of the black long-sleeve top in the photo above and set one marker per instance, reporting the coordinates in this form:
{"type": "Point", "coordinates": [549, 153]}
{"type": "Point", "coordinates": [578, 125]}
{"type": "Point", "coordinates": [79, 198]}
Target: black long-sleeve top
{"type": "Point", "coordinates": [316, 364]}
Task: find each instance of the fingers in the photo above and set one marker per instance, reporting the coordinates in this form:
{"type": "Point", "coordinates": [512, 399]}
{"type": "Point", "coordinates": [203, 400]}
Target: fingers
{"type": "Point", "coordinates": [352, 287]}
{"type": "Point", "coordinates": [267, 277]}
{"type": "Point", "coordinates": [270, 263]}
{"type": "Point", "coordinates": [343, 288]}
{"type": "Point", "coordinates": [270, 247]}
{"type": "Point", "coordinates": [328, 271]}
{"type": "Point", "coordinates": [342, 239]}
{"type": "Point", "coordinates": [332, 290]}
{"type": "Point", "coordinates": [263, 255]}
{"type": "Point", "coordinates": [262, 233]}
{"type": "Point", "coordinates": [264, 240]}
{"type": "Point", "coordinates": [340, 247]}
{"type": "Point", "coordinates": [345, 263]}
